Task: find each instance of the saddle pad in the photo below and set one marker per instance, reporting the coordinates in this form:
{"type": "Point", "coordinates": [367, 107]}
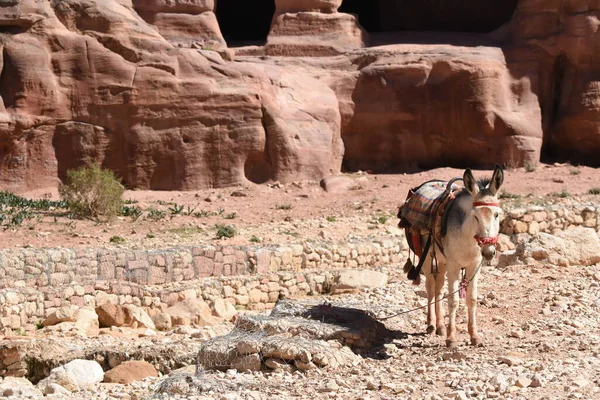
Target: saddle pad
{"type": "Point", "coordinates": [420, 209]}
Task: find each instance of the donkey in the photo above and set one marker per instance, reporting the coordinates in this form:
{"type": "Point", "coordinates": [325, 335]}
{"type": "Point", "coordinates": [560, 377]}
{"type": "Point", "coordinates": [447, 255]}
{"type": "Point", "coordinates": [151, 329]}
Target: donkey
{"type": "Point", "coordinates": [469, 234]}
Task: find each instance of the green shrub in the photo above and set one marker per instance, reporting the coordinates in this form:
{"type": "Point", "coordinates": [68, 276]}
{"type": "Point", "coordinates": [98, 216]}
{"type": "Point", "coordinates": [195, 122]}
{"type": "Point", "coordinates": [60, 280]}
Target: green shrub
{"type": "Point", "coordinates": [93, 192]}
{"type": "Point", "coordinates": [155, 214]}
{"type": "Point", "coordinates": [225, 231]}
{"type": "Point", "coordinates": [117, 239]}
{"type": "Point", "coordinates": [255, 239]}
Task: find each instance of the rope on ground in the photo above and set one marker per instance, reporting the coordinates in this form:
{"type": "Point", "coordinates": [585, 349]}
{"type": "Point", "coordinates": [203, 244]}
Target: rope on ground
{"type": "Point", "coordinates": [436, 301]}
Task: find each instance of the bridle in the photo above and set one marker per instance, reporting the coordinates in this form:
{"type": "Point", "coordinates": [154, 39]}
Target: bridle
{"type": "Point", "coordinates": [485, 241]}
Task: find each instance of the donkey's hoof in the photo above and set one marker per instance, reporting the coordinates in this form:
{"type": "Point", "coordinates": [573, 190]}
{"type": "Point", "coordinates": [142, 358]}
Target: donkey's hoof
{"type": "Point", "coordinates": [440, 331]}
{"type": "Point", "coordinates": [430, 329]}
{"type": "Point", "coordinates": [451, 343]}
{"type": "Point", "coordinates": [476, 341]}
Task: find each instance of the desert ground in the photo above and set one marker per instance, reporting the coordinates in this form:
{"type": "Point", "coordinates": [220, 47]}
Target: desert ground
{"type": "Point", "coordinates": [539, 322]}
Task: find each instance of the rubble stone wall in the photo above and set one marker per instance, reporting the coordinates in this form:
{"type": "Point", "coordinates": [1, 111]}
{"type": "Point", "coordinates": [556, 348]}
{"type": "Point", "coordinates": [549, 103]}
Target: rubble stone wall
{"type": "Point", "coordinates": [34, 282]}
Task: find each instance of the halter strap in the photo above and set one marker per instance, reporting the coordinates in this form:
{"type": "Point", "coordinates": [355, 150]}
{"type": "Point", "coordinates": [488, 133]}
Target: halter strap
{"type": "Point", "coordinates": [484, 204]}
{"type": "Point", "coordinates": [485, 241]}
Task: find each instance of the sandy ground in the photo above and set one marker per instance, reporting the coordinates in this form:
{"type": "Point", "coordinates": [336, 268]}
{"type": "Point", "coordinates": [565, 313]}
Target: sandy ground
{"type": "Point", "coordinates": [273, 214]}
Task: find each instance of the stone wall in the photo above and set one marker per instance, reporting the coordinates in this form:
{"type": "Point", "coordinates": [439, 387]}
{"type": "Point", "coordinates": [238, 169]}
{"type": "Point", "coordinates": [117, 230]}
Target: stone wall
{"type": "Point", "coordinates": [34, 282]}
{"type": "Point", "coordinates": [533, 219]}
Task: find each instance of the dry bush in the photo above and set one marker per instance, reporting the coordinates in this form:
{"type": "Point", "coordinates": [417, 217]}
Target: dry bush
{"type": "Point", "coordinates": [93, 192]}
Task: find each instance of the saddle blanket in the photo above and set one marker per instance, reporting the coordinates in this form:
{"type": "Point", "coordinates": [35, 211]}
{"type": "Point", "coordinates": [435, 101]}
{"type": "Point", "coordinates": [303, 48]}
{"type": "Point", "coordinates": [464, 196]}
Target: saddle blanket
{"type": "Point", "coordinates": [422, 205]}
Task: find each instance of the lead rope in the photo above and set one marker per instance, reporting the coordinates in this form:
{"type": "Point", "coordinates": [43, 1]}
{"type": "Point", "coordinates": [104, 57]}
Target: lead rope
{"type": "Point", "coordinates": [462, 286]}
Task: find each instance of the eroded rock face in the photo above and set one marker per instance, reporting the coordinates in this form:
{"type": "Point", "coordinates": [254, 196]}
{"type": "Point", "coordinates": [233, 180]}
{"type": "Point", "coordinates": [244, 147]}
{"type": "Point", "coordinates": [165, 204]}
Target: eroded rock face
{"type": "Point", "coordinates": [559, 44]}
{"type": "Point", "coordinates": [136, 86]}
{"type": "Point", "coordinates": [94, 82]}
{"type": "Point", "coordinates": [434, 105]}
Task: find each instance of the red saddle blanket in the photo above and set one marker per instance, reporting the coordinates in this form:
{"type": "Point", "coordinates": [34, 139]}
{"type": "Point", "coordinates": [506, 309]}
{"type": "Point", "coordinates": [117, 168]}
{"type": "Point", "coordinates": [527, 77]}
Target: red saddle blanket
{"type": "Point", "coordinates": [422, 213]}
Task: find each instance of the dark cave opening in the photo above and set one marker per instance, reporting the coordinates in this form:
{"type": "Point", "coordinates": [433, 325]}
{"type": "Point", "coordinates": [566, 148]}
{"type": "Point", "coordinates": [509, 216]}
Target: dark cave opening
{"type": "Point", "coordinates": [472, 16]}
{"type": "Point", "coordinates": [245, 22]}
{"type": "Point", "coordinates": [551, 112]}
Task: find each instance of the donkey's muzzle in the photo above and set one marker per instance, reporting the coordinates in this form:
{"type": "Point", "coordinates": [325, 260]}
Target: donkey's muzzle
{"type": "Point", "coordinates": [488, 252]}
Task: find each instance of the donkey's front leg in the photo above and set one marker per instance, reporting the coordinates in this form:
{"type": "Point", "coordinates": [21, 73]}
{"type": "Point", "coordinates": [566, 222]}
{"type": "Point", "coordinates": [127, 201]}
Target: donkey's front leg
{"type": "Point", "coordinates": [472, 308]}
{"type": "Point", "coordinates": [439, 297]}
{"type": "Point", "coordinates": [453, 272]}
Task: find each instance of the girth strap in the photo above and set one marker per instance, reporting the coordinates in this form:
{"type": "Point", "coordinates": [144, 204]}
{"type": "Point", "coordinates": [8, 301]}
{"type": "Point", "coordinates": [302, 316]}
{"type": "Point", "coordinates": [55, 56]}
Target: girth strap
{"type": "Point", "coordinates": [414, 273]}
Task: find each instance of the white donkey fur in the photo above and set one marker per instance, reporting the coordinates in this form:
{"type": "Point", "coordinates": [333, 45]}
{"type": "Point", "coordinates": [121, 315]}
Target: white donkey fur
{"type": "Point", "coordinates": [462, 250]}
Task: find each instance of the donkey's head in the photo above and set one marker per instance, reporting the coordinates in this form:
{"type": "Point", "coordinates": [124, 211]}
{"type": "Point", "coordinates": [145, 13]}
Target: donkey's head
{"type": "Point", "coordinates": [485, 213]}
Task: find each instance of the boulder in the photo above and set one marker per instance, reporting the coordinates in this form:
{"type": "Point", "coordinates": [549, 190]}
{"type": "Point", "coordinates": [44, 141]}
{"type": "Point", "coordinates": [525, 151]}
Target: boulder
{"type": "Point", "coordinates": [73, 320]}
{"type": "Point", "coordinates": [87, 322]}
{"type": "Point", "coordinates": [75, 375]}
{"type": "Point", "coordinates": [191, 311]}
{"type": "Point", "coordinates": [130, 371]}
{"type": "Point", "coordinates": [162, 321]}
{"type": "Point", "coordinates": [576, 246]}
{"type": "Point", "coordinates": [582, 246]}
{"type": "Point", "coordinates": [337, 184]}
{"type": "Point", "coordinates": [139, 317]}
{"type": "Point", "coordinates": [18, 388]}
{"type": "Point", "coordinates": [61, 314]}
{"type": "Point", "coordinates": [224, 309]}
{"type": "Point", "coordinates": [352, 280]}
{"type": "Point", "coordinates": [113, 315]}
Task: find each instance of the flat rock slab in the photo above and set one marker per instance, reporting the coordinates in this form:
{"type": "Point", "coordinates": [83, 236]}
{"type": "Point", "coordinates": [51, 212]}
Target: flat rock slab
{"type": "Point", "coordinates": [296, 335]}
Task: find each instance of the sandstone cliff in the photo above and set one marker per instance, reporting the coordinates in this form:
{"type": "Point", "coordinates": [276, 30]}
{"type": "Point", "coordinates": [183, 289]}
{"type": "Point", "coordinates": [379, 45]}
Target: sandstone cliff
{"type": "Point", "coordinates": [147, 88]}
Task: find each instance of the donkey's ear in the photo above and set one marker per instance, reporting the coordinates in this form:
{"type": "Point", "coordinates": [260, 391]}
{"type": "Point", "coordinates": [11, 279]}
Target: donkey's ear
{"type": "Point", "coordinates": [469, 181]}
{"type": "Point", "coordinates": [497, 180]}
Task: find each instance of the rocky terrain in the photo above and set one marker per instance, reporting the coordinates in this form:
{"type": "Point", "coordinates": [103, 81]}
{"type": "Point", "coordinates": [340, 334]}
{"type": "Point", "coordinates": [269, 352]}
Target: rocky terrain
{"type": "Point", "coordinates": [539, 309]}
{"type": "Point", "coordinates": [267, 146]}
{"type": "Point", "coordinates": [542, 346]}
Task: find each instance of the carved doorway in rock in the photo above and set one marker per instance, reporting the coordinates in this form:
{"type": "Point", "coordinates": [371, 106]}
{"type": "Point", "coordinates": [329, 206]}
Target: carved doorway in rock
{"type": "Point", "coordinates": [245, 22]}
{"type": "Point", "coordinates": [473, 16]}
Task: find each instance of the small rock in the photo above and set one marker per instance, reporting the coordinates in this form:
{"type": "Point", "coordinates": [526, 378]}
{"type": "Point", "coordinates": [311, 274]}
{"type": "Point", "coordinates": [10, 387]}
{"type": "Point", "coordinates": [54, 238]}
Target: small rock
{"type": "Point", "coordinates": [18, 388]}
{"type": "Point", "coordinates": [500, 383]}
{"type": "Point", "coordinates": [510, 361]}
{"type": "Point", "coordinates": [239, 193]}
{"type": "Point", "coordinates": [276, 364]}
{"type": "Point", "coordinates": [536, 381]}
{"type": "Point", "coordinates": [372, 385]}
{"type": "Point", "coordinates": [251, 362]}
{"type": "Point", "coordinates": [455, 355]}
{"type": "Point", "coordinates": [53, 388]}
{"type": "Point", "coordinates": [303, 366]}
{"type": "Point", "coordinates": [523, 382]}
{"type": "Point", "coordinates": [330, 386]}
{"type": "Point", "coordinates": [517, 333]}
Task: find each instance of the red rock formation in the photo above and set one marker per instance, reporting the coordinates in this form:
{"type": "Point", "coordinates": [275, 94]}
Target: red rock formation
{"type": "Point", "coordinates": [560, 41]}
{"type": "Point", "coordinates": [116, 82]}
{"type": "Point", "coordinates": [91, 81]}
{"type": "Point", "coordinates": [313, 28]}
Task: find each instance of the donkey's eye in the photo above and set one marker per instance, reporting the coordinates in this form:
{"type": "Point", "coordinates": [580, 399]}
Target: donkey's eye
{"type": "Point", "coordinates": [476, 218]}
{"type": "Point", "coordinates": [496, 215]}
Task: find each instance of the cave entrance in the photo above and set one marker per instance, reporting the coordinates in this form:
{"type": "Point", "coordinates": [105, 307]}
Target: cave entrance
{"type": "Point", "coordinates": [473, 16]}
{"type": "Point", "coordinates": [245, 22]}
